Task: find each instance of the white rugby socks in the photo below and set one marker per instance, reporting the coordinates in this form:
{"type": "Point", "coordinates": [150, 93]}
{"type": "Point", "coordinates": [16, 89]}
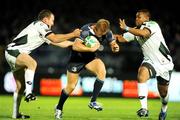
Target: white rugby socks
{"type": "Point", "coordinates": [142, 94]}
{"type": "Point", "coordinates": [29, 77]}
{"type": "Point", "coordinates": [16, 103]}
{"type": "Point", "coordinates": [164, 103]}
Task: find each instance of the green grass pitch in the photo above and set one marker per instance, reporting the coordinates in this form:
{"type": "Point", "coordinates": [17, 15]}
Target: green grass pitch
{"type": "Point", "coordinates": [76, 109]}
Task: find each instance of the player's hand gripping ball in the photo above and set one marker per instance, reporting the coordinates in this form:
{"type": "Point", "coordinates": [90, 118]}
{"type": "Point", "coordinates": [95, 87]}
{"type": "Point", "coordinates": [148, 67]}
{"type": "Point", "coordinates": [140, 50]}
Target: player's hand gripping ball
{"type": "Point", "coordinates": [90, 41]}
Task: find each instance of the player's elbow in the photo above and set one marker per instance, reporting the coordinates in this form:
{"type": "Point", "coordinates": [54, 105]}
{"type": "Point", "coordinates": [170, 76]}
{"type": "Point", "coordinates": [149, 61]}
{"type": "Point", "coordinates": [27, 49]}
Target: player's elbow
{"type": "Point", "coordinates": [54, 38]}
{"type": "Point", "coordinates": [74, 47]}
{"type": "Point", "coordinates": [122, 40]}
{"type": "Point", "coordinates": [144, 33]}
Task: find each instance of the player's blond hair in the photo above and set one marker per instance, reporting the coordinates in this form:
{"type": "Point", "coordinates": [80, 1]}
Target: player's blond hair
{"type": "Point", "coordinates": [103, 25]}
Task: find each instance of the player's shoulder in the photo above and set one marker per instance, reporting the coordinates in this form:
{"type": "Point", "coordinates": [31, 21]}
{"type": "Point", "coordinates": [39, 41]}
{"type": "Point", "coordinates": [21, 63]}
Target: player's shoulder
{"type": "Point", "coordinates": [39, 23]}
{"type": "Point", "coordinates": [87, 30]}
{"type": "Point", "coordinates": [109, 32]}
{"type": "Point", "coordinates": [86, 26]}
{"type": "Point", "coordinates": [150, 23]}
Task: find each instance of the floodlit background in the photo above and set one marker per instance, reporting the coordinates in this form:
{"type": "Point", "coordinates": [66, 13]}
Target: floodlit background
{"type": "Point", "coordinates": [121, 67]}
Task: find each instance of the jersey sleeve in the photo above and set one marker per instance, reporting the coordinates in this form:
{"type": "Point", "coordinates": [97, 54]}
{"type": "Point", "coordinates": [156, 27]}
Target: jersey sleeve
{"type": "Point", "coordinates": [47, 41]}
{"type": "Point", "coordinates": [85, 31]}
{"type": "Point", "coordinates": [84, 34]}
{"type": "Point", "coordinates": [43, 29]}
{"type": "Point", "coordinates": [129, 36]}
{"type": "Point", "coordinates": [150, 25]}
{"type": "Point", "coordinates": [110, 36]}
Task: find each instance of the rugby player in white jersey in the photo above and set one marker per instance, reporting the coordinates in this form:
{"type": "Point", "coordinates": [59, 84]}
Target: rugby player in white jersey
{"type": "Point", "coordinates": [157, 60]}
{"type": "Point", "coordinates": [22, 64]}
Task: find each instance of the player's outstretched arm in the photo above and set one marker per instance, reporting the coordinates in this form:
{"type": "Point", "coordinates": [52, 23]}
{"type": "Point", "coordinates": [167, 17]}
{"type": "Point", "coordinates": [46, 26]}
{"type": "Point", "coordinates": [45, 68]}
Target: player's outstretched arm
{"type": "Point", "coordinates": [80, 47]}
{"type": "Point", "coordinates": [63, 44]}
{"type": "Point", "coordinates": [56, 38]}
{"type": "Point", "coordinates": [137, 32]}
{"type": "Point", "coordinates": [120, 38]}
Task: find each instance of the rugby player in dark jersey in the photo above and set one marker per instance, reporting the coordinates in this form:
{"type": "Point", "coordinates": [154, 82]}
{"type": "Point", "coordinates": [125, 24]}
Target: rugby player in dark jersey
{"type": "Point", "coordinates": [85, 57]}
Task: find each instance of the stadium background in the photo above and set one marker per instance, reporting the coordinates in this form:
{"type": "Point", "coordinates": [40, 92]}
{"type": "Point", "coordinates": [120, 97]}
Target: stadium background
{"type": "Point", "coordinates": [70, 14]}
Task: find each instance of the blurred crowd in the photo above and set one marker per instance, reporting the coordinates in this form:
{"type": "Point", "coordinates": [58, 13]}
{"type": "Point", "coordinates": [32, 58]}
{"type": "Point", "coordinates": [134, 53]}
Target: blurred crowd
{"type": "Point", "coordinates": [70, 14]}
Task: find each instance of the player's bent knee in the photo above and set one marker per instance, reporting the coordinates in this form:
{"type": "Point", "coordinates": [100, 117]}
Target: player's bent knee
{"type": "Point", "coordinates": [34, 63]}
{"type": "Point", "coordinates": [101, 75]}
{"type": "Point", "coordinates": [140, 78]}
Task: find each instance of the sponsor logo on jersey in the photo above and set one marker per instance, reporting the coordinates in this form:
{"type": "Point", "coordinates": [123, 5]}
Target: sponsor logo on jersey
{"type": "Point", "coordinates": [166, 74]}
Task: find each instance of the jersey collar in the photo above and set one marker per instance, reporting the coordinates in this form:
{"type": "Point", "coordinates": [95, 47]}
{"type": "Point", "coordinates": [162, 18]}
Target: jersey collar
{"type": "Point", "coordinates": [91, 30]}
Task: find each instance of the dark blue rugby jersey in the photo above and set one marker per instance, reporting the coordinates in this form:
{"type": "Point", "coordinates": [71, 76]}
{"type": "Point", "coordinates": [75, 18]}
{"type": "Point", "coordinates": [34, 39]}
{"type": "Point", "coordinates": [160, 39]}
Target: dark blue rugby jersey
{"type": "Point", "coordinates": [88, 31]}
{"type": "Point", "coordinates": [85, 57]}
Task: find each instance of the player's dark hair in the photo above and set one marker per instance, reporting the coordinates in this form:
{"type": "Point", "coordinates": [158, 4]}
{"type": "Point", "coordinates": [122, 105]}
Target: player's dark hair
{"type": "Point", "coordinates": [145, 11]}
{"type": "Point", "coordinates": [103, 25]}
{"type": "Point", "coordinates": [44, 13]}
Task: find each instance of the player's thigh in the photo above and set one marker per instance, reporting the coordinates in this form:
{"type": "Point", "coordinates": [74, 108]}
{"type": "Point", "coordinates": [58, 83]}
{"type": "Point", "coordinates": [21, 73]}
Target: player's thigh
{"type": "Point", "coordinates": [25, 60]}
{"type": "Point", "coordinates": [97, 67]}
{"type": "Point", "coordinates": [143, 74]}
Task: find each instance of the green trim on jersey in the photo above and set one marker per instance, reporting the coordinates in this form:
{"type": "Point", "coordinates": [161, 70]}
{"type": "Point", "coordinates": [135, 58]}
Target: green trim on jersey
{"type": "Point", "coordinates": [141, 41]}
{"type": "Point", "coordinates": [20, 41]}
{"type": "Point", "coordinates": [164, 51]}
{"type": "Point", "coordinates": [152, 22]}
{"type": "Point", "coordinates": [35, 22]}
{"type": "Point", "coordinates": [14, 53]}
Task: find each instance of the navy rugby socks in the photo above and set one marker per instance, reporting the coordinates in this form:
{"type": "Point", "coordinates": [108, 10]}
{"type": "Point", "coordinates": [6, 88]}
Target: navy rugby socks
{"type": "Point", "coordinates": [97, 88]}
{"type": "Point", "coordinates": [62, 100]}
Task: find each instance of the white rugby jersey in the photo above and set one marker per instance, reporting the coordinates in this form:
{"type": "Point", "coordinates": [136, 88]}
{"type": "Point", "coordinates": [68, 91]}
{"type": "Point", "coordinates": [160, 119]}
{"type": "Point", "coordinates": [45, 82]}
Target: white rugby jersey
{"type": "Point", "coordinates": [31, 37]}
{"type": "Point", "coordinates": [153, 47]}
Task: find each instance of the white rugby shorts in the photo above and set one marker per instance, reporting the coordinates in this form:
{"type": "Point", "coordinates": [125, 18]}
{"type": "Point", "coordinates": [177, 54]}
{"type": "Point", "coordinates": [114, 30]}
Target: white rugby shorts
{"type": "Point", "coordinates": [161, 70]}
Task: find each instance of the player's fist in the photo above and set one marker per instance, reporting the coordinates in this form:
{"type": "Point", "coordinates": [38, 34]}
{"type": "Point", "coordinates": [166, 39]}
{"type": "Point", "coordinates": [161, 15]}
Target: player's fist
{"type": "Point", "coordinates": [115, 48]}
{"type": "Point", "coordinates": [77, 32]}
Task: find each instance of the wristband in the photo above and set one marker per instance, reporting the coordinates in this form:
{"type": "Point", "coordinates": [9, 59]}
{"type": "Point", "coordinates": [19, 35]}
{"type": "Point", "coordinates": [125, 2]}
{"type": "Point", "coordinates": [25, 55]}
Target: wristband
{"type": "Point", "coordinates": [127, 28]}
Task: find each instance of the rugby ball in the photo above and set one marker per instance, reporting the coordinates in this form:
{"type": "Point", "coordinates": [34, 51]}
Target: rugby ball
{"type": "Point", "coordinates": [90, 41]}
